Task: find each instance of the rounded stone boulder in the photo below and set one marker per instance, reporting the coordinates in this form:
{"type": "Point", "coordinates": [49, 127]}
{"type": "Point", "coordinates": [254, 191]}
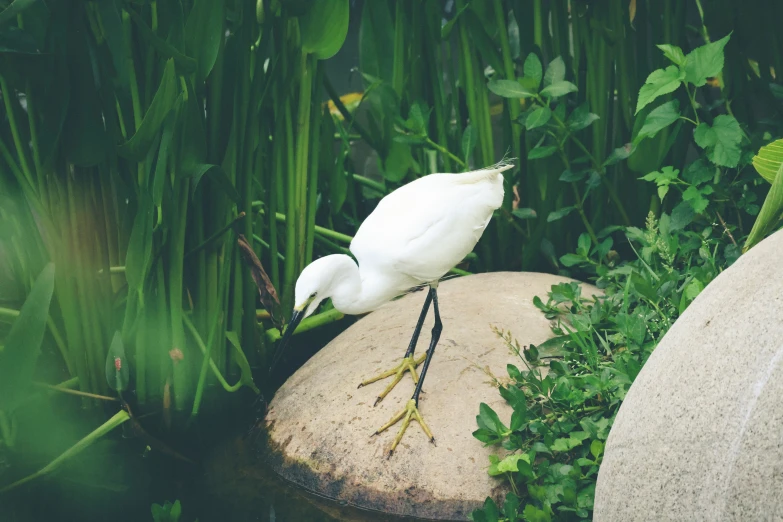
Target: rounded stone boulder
{"type": "Point", "coordinates": [320, 425]}
{"type": "Point", "coordinates": [700, 433]}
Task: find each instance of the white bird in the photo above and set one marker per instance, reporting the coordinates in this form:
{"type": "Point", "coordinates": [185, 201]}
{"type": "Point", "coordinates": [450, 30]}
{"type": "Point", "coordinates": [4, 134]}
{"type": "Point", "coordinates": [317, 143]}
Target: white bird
{"type": "Point", "coordinates": [414, 236]}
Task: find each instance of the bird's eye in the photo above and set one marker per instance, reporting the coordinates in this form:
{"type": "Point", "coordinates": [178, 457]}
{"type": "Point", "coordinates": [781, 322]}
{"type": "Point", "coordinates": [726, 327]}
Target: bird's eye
{"type": "Point", "coordinates": [313, 295]}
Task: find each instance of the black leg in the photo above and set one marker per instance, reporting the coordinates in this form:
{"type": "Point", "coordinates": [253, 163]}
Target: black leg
{"type": "Point", "coordinates": [408, 362]}
{"type": "Point", "coordinates": [436, 330]}
{"type": "Point", "coordinates": [419, 324]}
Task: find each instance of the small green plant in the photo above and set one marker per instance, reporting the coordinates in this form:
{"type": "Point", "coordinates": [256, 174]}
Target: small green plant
{"type": "Point", "coordinates": [567, 391]}
{"type": "Point", "coordinates": [167, 512]}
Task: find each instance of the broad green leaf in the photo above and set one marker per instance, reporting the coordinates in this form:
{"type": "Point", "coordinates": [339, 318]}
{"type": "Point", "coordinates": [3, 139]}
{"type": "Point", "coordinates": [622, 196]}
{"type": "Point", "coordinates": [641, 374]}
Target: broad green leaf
{"type": "Point", "coordinates": [16, 7]}
{"type": "Point", "coordinates": [700, 171]}
{"type": "Point", "coordinates": [721, 141]}
{"type": "Point", "coordinates": [511, 505]}
{"type": "Point", "coordinates": [660, 118]}
{"type": "Point", "coordinates": [204, 33]}
{"type": "Point", "coordinates": [482, 41]}
{"type": "Point", "coordinates": [509, 89]}
{"type": "Point", "coordinates": [564, 444]}
{"type": "Point", "coordinates": [488, 419]}
{"type": "Point", "coordinates": [541, 152]}
{"type": "Point", "coordinates": [533, 69]}
{"type": "Point", "coordinates": [534, 514]}
{"type": "Point", "coordinates": [555, 72]}
{"type": "Point", "coordinates": [139, 254]}
{"type": "Point", "coordinates": [538, 117]}
{"type": "Point", "coordinates": [770, 213]}
{"type": "Point", "coordinates": [524, 213]}
{"type": "Point", "coordinates": [705, 62]}
{"type": "Point", "coordinates": [570, 176]}
{"type": "Point", "coordinates": [216, 174]}
{"type": "Point", "coordinates": [184, 63]}
{"type": "Point", "coordinates": [163, 101]}
{"type": "Point", "coordinates": [117, 371]}
{"type": "Point", "coordinates": [445, 31]}
{"type": "Point", "coordinates": [111, 25]}
{"type": "Point", "coordinates": [673, 53]}
{"type": "Point", "coordinates": [658, 83]}
{"type": "Point", "coordinates": [246, 376]}
{"type": "Point", "coordinates": [17, 41]}
{"type": "Point", "coordinates": [162, 178]}
{"type": "Point", "coordinates": [397, 164]}
{"type": "Point", "coordinates": [490, 510]}
{"type": "Point", "coordinates": [23, 343]}
{"type": "Point", "coordinates": [376, 40]}
{"type": "Point", "coordinates": [682, 216]}
{"type": "Point", "coordinates": [619, 154]}
{"type": "Point", "coordinates": [324, 28]}
{"type": "Point", "coordinates": [695, 197]}
{"type": "Point", "coordinates": [768, 160]}
{"type": "Point", "coordinates": [508, 464]}
{"type": "Point", "coordinates": [571, 259]}
{"type": "Point", "coordinates": [557, 89]}
{"type": "Point", "coordinates": [559, 214]}
{"type": "Point", "coordinates": [469, 140]}
{"type": "Point", "coordinates": [581, 118]}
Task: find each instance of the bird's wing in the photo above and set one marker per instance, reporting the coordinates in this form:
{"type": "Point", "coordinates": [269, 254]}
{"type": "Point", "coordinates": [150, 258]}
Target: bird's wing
{"type": "Point", "coordinates": [425, 228]}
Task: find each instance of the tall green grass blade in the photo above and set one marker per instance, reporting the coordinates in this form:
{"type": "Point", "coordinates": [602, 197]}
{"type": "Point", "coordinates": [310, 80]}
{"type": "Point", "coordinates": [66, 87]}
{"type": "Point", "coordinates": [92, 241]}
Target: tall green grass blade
{"type": "Point", "coordinates": [22, 346]}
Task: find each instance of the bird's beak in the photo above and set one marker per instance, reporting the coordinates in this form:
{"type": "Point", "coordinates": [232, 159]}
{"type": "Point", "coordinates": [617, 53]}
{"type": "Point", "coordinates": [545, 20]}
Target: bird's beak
{"type": "Point", "coordinates": [296, 318]}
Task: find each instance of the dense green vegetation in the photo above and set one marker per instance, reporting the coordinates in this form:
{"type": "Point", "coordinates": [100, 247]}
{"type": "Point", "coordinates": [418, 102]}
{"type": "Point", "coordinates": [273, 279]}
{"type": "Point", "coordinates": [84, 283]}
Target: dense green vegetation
{"type": "Point", "coordinates": [167, 169]}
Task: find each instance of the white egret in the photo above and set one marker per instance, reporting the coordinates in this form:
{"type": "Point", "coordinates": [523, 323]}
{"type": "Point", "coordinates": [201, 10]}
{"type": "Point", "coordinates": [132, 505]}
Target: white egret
{"type": "Point", "coordinates": [414, 236]}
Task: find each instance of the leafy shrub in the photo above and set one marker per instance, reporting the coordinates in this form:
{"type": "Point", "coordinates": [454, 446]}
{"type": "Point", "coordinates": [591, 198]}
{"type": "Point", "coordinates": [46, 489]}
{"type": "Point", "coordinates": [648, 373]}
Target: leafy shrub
{"type": "Point", "coordinates": [568, 390]}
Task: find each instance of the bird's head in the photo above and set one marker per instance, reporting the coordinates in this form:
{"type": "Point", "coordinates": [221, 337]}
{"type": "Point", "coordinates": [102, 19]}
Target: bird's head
{"type": "Point", "coordinates": [316, 283]}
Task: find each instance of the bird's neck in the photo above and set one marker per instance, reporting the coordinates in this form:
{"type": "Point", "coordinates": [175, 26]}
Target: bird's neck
{"type": "Point", "coordinates": [356, 292]}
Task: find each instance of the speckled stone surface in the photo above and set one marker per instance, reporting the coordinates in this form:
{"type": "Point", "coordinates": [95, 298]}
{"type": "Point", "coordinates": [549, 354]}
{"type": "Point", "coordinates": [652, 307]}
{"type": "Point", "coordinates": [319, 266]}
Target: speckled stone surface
{"type": "Point", "coordinates": [700, 434]}
{"type": "Point", "coordinates": [320, 425]}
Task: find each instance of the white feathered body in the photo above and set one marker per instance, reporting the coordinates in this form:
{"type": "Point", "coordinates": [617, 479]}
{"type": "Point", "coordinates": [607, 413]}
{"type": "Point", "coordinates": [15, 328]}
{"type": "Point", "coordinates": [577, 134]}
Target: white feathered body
{"type": "Point", "coordinates": [423, 229]}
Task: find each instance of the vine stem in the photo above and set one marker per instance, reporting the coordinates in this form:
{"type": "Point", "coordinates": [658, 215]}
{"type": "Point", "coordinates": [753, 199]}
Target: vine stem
{"type": "Point", "coordinates": [598, 167]}
{"type": "Point", "coordinates": [446, 151]}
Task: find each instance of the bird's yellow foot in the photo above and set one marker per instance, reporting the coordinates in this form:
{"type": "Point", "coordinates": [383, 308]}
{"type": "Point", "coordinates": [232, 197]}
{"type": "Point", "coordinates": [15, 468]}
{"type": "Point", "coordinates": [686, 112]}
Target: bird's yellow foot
{"type": "Point", "coordinates": [408, 364]}
{"type": "Point", "coordinates": [409, 412]}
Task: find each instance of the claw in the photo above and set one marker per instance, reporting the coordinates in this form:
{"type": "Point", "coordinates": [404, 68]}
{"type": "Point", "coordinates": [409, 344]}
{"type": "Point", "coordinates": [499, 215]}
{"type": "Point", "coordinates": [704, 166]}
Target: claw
{"type": "Point", "coordinates": [408, 364]}
{"type": "Point", "coordinates": [410, 412]}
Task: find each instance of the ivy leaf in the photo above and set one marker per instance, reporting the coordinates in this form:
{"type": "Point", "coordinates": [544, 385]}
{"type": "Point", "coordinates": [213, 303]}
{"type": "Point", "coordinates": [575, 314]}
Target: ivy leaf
{"type": "Point", "coordinates": [581, 118]}
{"type": "Point", "coordinates": [565, 444]}
{"type": "Point", "coordinates": [694, 196]}
{"type": "Point", "coordinates": [555, 72]}
{"type": "Point", "coordinates": [658, 83]}
{"type": "Point", "coordinates": [698, 172]}
{"type": "Point", "coordinates": [559, 214]}
{"type": "Point", "coordinates": [596, 448]}
{"type": "Point", "coordinates": [705, 62]}
{"type": "Point", "coordinates": [509, 89]}
{"type": "Point", "coordinates": [538, 117]}
{"type": "Point", "coordinates": [558, 89]}
{"type": "Point", "coordinates": [533, 69]}
{"type": "Point", "coordinates": [721, 141]}
{"type": "Point", "coordinates": [660, 118]}
{"type": "Point", "coordinates": [534, 514]}
{"type": "Point", "coordinates": [673, 53]}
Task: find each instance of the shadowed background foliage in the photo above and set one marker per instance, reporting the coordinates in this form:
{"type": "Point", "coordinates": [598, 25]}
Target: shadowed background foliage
{"type": "Point", "coordinates": [143, 142]}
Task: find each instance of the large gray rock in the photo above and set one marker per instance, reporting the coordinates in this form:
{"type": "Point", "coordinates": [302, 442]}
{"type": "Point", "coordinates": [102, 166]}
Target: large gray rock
{"type": "Point", "coordinates": [319, 425]}
{"type": "Point", "coordinates": [700, 434]}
